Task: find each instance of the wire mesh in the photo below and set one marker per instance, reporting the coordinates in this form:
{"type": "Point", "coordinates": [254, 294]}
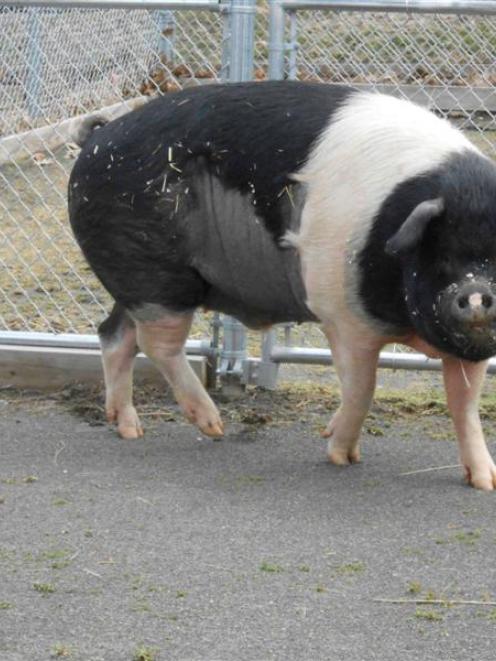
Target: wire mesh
{"type": "Point", "coordinates": [57, 64]}
{"type": "Point", "coordinates": [444, 61]}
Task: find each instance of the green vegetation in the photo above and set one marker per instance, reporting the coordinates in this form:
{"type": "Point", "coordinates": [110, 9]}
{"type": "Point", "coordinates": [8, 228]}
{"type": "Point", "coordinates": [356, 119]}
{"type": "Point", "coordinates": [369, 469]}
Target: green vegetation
{"type": "Point", "coordinates": [431, 615]}
{"type": "Point", "coordinates": [44, 588]}
{"type": "Point", "coordinates": [60, 650]}
{"type": "Point", "coordinates": [350, 568]}
{"type": "Point", "coordinates": [144, 653]}
{"type": "Point", "coordinates": [5, 605]}
{"type": "Point", "coordinates": [271, 568]}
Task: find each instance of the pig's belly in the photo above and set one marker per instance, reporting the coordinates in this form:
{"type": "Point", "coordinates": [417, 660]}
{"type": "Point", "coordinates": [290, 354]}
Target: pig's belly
{"type": "Point", "coordinates": [249, 275]}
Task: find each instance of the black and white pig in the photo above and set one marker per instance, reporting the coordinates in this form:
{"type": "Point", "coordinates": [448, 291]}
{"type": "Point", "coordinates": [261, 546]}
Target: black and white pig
{"type": "Point", "coordinates": [285, 201]}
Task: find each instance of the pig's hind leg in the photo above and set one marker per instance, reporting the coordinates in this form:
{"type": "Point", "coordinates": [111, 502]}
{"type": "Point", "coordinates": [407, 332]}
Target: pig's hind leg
{"type": "Point", "coordinates": [163, 340]}
{"type": "Point", "coordinates": [463, 383]}
{"type": "Point", "coordinates": [118, 342]}
{"type": "Point", "coordinates": [356, 364]}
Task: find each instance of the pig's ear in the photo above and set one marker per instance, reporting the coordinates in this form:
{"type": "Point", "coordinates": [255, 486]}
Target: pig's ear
{"type": "Point", "coordinates": [412, 230]}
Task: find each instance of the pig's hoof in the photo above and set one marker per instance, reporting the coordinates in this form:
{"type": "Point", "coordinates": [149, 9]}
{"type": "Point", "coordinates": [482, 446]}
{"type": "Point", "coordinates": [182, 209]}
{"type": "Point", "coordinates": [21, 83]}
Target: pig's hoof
{"type": "Point", "coordinates": [213, 429]}
{"type": "Point", "coordinates": [343, 456]}
{"type": "Point", "coordinates": [128, 423]}
{"type": "Point", "coordinates": [207, 419]}
{"type": "Point", "coordinates": [483, 478]}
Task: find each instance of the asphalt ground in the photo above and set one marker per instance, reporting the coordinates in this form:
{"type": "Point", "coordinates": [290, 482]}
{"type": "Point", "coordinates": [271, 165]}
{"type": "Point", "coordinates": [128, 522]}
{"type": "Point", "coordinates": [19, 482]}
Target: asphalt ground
{"type": "Point", "coordinates": [254, 547]}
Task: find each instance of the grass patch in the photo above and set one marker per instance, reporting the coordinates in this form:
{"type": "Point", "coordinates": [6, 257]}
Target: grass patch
{"type": "Point", "coordinates": [414, 587]}
{"type": "Point", "coordinates": [145, 653]}
{"type": "Point", "coordinates": [351, 568]}
{"type": "Point", "coordinates": [61, 650]}
{"type": "Point", "coordinates": [5, 605]}
{"type": "Point", "coordinates": [54, 554]}
{"type": "Point", "coordinates": [470, 537]}
{"type": "Point", "coordinates": [271, 568]}
{"type": "Point", "coordinates": [27, 479]}
{"type": "Point", "coordinates": [428, 614]}
{"type": "Point", "coordinates": [44, 588]}
{"type": "Point", "coordinates": [466, 537]}
{"type": "Point", "coordinates": [491, 615]}
{"type": "Point", "coordinates": [60, 502]}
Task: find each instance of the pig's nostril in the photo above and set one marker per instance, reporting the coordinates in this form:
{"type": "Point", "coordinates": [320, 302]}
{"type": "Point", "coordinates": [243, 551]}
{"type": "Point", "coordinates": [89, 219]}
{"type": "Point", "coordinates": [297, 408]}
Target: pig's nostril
{"type": "Point", "coordinates": [487, 300]}
{"type": "Point", "coordinates": [462, 302]}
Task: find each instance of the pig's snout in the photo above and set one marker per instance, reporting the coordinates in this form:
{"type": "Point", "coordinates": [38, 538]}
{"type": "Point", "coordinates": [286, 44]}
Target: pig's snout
{"type": "Point", "coordinates": [474, 304]}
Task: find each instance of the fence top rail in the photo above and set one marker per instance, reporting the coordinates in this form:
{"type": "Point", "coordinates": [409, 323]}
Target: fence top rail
{"type": "Point", "coordinates": [212, 5]}
{"type": "Point", "coordinates": [484, 7]}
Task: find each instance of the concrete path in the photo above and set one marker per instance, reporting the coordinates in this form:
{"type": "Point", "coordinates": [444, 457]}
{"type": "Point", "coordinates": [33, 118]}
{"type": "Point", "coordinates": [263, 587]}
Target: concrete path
{"type": "Point", "coordinates": [250, 548]}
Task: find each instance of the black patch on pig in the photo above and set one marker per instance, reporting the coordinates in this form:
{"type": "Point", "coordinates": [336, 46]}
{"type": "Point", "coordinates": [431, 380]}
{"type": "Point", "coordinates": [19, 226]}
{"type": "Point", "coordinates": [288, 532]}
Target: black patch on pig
{"type": "Point", "coordinates": [253, 136]}
{"type": "Point", "coordinates": [204, 171]}
{"type": "Point", "coordinates": [113, 327]}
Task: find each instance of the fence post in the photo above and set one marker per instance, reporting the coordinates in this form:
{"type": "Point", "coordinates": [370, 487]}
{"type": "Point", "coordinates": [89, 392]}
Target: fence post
{"type": "Point", "coordinates": [276, 40]}
{"type": "Point", "coordinates": [166, 26]}
{"type": "Point", "coordinates": [239, 28]}
{"type": "Point", "coordinates": [242, 40]}
{"type": "Point", "coordinates": [293, 46]}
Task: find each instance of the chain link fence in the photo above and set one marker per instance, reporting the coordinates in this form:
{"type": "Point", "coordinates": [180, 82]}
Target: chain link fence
{"type": "Point", "coordinates": [57, 64]}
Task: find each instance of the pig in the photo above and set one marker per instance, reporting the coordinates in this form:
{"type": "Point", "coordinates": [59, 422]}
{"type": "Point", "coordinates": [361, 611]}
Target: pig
{"type": "Point", "coordinates": [287, 201]}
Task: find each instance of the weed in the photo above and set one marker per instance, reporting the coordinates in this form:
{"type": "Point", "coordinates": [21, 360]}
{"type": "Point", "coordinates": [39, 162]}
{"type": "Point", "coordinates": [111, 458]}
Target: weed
{"type": "Point", "coordinates": [28, 479]}
{"type": "Point", "coordinates": [350, 568]}
{"type": "Point", "coordinates": [61, 650]}
{"type": "Point", "coordinates": [144, 653]}
{"type": "Point", "coordinates": [44, 588]}
{"type": "Point", "coordinates": [374, 431]}
{"type": "Point", "coordinates": [470, 537]}
{"type": "Point", "coordinates": [424, 614]}
{"type": "Point", "coordinates": [54, 554]}
{"type": "Point", "coordinates": [271, 568]}
{"type": "Point", "coordinates": [414, 587]}
{"type": "Point", "coordinates": [60, 502]}
{"type": "Point", "coordinates": [5, 605]}
{"type": "Point", "coordinates": [141, 606]}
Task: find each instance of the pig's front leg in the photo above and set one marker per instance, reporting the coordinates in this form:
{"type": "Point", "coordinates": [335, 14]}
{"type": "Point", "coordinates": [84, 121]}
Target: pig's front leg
{"type": "Point", "coordinates": [356, 365]}
{"type": "Point", "coordinates": [463, 383]}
